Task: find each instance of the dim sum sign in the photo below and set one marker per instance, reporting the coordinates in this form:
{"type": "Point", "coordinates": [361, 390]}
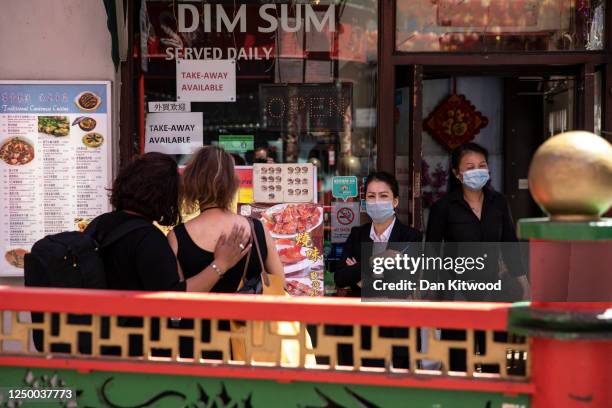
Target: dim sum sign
{"type": "Point", "coordinates": [306, 107]}
{"type": "Point", "coordinates": [302, 17]}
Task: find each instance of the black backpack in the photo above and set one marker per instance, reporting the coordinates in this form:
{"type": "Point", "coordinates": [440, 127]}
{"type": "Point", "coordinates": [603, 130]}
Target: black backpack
{"type": "Point", "coordinates": [73, 259]}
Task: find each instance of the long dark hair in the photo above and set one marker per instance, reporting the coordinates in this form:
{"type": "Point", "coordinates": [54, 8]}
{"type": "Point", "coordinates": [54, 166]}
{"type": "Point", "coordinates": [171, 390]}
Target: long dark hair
{"type": "Point", "coordinates": [149, 185]}
{"type": "Point", "coordinates": [456, 156]}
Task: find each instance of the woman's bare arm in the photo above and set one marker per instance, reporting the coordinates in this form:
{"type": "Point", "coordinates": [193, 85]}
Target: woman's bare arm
{"type": "Point", "coordinates": [273, 263]}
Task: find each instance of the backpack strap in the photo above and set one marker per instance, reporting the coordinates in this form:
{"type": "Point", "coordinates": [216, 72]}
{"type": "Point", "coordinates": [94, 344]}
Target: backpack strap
{"type": "Point", "coordinates": [122, 230]}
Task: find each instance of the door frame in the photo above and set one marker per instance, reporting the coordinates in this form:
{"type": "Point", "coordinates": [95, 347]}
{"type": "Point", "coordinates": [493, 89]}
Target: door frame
{"type": "Point", "coordinates": [583, 116]}
{"type": "Point", "coordinates": [389, 59]}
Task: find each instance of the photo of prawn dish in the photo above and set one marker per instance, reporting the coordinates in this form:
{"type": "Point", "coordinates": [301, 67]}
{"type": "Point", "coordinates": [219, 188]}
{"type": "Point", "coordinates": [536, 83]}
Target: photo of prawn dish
{"type": "Point", "coordinates": [294, 259]}
{"type": "Point", "coordinates": [88, 101]}
{"type": "Point", "coordinates": [54, 125]}
{"type": "Point", "coordinates": [93, 140]}
{"type": "Point", "coordinates": [15, 257]}
{"type": "Point", "coordinates": [16, 152]}
{"type": "Point", "coordinates": [288, 220]}
{"type": "Point", "coordinates": [85, 123]}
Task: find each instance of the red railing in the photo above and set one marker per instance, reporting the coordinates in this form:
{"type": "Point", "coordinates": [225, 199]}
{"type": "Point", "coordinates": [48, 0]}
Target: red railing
{"type": "Point", "coordinates": [478, 316]}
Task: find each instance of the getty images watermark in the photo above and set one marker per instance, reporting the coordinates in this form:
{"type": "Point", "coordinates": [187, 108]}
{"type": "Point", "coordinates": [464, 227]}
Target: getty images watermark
{"type": "Point", "coordinates": [424, 264]}
{"type": "Point", "coordinates": [444, 271]}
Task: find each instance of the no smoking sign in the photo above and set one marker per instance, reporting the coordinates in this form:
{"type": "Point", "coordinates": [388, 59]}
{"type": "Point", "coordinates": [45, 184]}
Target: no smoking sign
{"type": "Point", "coordinates": [345, 216]}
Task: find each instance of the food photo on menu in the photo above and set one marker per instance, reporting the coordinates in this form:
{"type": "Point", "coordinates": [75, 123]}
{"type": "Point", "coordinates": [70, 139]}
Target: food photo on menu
{"type": "Point", "coordinates": [17, 151]}
{"type": "Point", "coordinates": [284, 194]}
{"type": "Point", "coordinates": [297, 231]}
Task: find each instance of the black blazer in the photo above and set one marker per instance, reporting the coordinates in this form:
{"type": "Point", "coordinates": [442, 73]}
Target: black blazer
{"type": "Point", "coordinates": [349, 276]}
{"type": "Point", "coordinates": [452, 220]}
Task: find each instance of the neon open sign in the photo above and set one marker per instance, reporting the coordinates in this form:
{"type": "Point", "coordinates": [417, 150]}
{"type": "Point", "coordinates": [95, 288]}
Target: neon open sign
{"type": "Point", "coordinates": [306, 107]}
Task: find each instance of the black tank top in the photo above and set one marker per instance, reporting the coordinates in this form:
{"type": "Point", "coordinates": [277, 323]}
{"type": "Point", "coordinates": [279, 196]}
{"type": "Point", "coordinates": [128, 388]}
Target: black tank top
{"type": "Point", "coordinates": [194, 259]}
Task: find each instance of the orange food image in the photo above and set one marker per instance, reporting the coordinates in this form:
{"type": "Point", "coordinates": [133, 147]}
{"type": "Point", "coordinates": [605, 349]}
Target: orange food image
{"type": "Point", "coordinates": [293, 219]}
{"type": "Point", "coordinates": [15, 257]}
{"type": "Point", "coordinates": [285, 241]}
{"type": "Point", "coordinates": [297, 288]}
{"type": "Point", "coordinates": [290, 255]}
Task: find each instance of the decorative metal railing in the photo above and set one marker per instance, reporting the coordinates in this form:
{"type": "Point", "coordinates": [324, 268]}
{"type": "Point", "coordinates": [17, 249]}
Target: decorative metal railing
{"type": "Point", "coordinates": [341, 340]}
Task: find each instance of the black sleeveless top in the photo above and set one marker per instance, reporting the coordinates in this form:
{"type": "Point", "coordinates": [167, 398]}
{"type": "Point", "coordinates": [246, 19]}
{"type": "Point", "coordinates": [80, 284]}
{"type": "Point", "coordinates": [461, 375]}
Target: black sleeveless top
{"type": "Point", "coordinates": [194, 259]}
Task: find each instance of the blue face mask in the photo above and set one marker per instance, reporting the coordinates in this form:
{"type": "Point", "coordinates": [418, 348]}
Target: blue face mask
{"type": "Point", "coordinates": [475, 179]}
{"type": "Point", "coordinates": [380, 211]}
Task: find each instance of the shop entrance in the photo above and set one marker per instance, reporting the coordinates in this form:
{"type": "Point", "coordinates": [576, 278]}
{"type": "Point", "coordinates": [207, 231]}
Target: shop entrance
{"type": "Point", "coordinates": [510, 113]}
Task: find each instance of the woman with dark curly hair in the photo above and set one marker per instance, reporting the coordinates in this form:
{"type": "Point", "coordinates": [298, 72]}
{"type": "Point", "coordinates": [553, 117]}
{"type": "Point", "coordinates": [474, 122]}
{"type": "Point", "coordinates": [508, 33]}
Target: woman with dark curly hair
{"type": "Point", "coordinates": [147, 190]}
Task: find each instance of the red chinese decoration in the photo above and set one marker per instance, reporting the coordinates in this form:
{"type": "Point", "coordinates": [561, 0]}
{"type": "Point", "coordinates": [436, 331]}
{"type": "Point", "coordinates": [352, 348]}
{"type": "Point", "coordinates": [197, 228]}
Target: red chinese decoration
{"type": "Point", "coordinates": [455, 121]}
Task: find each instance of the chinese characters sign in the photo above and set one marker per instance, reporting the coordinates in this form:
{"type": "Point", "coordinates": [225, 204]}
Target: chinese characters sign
{"type": "Point", "coordinates": [165, 107]}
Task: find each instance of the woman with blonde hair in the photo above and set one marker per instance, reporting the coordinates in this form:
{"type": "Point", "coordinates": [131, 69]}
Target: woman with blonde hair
{"type": "Point", "coordinates": [210, 185]}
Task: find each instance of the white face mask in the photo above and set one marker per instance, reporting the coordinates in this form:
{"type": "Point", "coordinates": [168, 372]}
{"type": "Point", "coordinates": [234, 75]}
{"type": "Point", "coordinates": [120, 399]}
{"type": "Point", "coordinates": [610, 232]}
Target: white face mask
{"type": "Point", "coordinates": [475, 179]}
{"type": "Point", "coordinates": [380, 211]}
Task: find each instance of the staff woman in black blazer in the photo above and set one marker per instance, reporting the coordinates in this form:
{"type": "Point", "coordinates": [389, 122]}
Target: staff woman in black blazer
{"type": "Point", "coordinates": [472, 211]}
{"type": "Point", "coordinates": [382, 198]}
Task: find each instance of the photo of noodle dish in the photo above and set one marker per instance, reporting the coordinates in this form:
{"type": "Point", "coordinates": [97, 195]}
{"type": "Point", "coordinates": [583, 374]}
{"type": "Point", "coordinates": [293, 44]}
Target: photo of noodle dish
{"type": "Point", "coordinates": [288, 220]}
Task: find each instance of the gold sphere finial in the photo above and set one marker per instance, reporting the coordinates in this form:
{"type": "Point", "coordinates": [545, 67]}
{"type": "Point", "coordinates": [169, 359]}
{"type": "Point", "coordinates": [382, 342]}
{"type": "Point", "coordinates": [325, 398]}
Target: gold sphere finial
{"type": "Point", "coordinates": [570, 176]}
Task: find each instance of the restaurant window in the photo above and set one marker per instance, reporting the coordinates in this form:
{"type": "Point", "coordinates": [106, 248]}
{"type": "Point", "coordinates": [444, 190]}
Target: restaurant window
{"type": "Point", "coordinates": [499, 25]}
{"type": "Point", "coordinates": [305, 91]}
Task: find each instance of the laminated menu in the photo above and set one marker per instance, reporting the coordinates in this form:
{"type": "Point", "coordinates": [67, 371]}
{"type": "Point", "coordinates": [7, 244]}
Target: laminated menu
{"type": "Point", "coordinates": [55, 161]}
{"type": "Point", "coordinates": [287, 182]}
{"type": "Point", "coordinates": [297, 232]}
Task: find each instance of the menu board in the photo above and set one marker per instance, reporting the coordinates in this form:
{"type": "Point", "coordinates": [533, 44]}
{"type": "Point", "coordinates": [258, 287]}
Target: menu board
{"type": "Point", "coordinates": [288, 182]}
{"type": "Point", "coordinates": [55, 161]}
{"type": "Point", "coordinates": [297, 231]}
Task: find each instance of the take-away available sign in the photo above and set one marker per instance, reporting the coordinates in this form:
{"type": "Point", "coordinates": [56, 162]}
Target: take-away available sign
{"type": "Point", "coordinates": [174, 133]}
{"type": "Point", "coordinates": [205, 80]}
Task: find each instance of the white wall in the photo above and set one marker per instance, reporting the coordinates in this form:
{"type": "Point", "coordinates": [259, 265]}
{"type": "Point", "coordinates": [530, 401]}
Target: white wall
{"type": "Point", "coordinates": [56, 40]}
